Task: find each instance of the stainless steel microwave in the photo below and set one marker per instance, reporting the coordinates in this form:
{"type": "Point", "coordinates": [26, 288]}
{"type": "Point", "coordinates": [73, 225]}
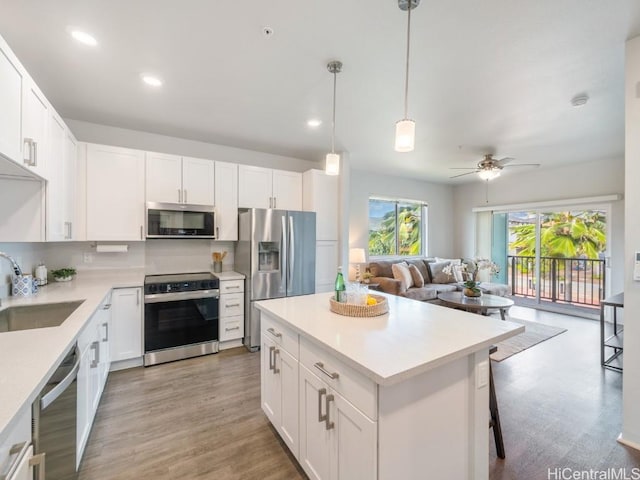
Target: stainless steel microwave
{"type": "Point", "coordinates": [177, 220]}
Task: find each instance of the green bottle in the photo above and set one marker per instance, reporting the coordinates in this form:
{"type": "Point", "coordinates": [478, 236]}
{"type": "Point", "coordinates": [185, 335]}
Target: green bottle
{"type": "Point", "coordinates": [340, 287]}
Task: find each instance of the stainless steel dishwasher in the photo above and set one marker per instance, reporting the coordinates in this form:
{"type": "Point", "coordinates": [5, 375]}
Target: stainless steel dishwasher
{"type": "Point", "coordinates": [54, 419]}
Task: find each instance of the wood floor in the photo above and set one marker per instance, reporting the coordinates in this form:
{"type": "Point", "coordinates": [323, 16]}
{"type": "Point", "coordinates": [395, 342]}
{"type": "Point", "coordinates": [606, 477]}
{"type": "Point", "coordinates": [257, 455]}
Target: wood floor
{"type": "Point", "coordinates": [201, 418]}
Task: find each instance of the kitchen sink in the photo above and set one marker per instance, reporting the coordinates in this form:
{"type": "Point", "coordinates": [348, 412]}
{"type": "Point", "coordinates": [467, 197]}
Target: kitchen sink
{"type": "Point", "coordinates": [28, 317]}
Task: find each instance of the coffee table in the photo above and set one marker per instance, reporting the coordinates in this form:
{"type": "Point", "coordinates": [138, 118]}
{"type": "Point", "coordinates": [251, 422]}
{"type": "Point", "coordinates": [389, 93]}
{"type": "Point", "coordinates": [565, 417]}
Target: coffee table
{"type": "Point", "coordinates": [482, 304]}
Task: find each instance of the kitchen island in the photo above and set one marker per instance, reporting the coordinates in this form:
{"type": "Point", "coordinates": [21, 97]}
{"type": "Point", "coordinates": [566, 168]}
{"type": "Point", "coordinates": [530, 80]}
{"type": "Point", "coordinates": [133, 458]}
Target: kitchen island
{"type": "Point", "coordinates": [402, 395]}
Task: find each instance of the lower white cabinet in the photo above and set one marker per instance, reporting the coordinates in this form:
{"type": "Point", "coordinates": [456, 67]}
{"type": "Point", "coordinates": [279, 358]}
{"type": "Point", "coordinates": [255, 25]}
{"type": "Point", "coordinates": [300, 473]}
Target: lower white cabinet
{"type": "Point", "coordinates": [126, 324]}
{"type": "Point", "coordinates": [326, 265]}
{"type": "Point", "coordinates": [231, 310]}
{"type": "Point", "coordinates": [16, 451]}
{"type": "Point", "coordinates": [279, 370]}
{"type": "Point", "coordinates": [93, 344]}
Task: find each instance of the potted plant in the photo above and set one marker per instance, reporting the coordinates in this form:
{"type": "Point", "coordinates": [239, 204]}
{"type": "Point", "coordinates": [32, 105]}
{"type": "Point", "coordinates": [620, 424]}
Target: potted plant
{"type": "Point", "coordinates": [471, 285]}
{"type": "Point", "coordinates": [63, 274]}
{"type": "Point", "coordinates": [367, 276]}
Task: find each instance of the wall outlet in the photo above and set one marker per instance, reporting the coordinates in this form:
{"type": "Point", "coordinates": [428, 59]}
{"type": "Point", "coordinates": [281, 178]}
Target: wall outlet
{"type": "Point", "coordinates": [88, 257]}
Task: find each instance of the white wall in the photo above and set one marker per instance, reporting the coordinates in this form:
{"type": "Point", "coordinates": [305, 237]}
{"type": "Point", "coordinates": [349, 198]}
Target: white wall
{"type": "Point", "coordinates": [567, 182]}
{"type": "Point", "coordinates": [631, 376]}
{"type": "Point", "coordinates": [438, 197]}
{"type": "Point", "coordinates": [121, 137]}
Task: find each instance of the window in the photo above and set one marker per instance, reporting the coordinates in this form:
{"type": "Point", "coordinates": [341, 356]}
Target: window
{"type": "Point", "coordinates": [397, 227]}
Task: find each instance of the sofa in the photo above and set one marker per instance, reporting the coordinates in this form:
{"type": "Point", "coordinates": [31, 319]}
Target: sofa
{"type": "Point", "coordinates": [435, 280]}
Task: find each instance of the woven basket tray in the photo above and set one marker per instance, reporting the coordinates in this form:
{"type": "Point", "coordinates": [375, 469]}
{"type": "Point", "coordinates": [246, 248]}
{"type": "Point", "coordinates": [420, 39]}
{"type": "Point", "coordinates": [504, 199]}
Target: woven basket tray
{"type": "Point", "coordinates": [353, 310]}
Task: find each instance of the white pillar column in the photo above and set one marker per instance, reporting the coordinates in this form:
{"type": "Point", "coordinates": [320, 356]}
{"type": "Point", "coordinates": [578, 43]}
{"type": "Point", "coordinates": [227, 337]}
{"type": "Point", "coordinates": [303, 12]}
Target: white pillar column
{"type": "Point", "coordinates": [631, 381]}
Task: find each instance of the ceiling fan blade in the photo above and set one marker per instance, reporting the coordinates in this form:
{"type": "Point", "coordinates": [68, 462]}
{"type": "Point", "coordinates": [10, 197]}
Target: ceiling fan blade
{"type": "Point", "coordinates": [524, 165]}
{"type": "Point", "coordinates": [463, 168]}
{"type": "Point", "coordinates": [503, 161]}
{"type": "Point", "coordinates": [463, 174]}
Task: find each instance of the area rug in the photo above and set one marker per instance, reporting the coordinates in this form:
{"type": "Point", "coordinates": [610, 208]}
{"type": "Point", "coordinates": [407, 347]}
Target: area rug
{"type": "Point", "coordinates": [534, 334]}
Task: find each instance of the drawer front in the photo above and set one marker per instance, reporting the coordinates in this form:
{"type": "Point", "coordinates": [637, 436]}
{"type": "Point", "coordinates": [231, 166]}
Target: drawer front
{"type": "Point", "coordinates": [231, 305]}
{"type": "Point", "coordinates": [352, 385]}
{"type": "Point", "coordinates": [231, 328]}
{"type": "Point", "coordinates": [231, 286]}
{"type": "Point", "coordinates": [280, 334]}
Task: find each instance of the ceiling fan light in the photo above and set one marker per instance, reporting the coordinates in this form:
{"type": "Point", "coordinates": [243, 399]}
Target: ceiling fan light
{"type": "Point", "coordinates": [489, 174]}
{"type": "Point", "coordinates": [405, 135]}
{"type": "Point", "coordinates": [332, 164]}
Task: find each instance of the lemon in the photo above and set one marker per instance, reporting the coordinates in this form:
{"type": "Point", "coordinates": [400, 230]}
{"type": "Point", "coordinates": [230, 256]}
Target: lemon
{"type": "Point", "coordinates": [371, 300]}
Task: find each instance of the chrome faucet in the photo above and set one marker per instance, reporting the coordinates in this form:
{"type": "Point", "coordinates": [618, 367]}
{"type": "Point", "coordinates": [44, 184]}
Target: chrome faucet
{"type": "Point", "coordinates": [16, 268]}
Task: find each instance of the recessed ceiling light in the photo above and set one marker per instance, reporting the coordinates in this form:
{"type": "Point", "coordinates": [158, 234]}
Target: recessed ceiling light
{"type": "Point", "coordinates": [314, 123]}
{"type": "Point", "coordinates": [84, 38]}
{"type": "Point", "coordinates": [151, 80]}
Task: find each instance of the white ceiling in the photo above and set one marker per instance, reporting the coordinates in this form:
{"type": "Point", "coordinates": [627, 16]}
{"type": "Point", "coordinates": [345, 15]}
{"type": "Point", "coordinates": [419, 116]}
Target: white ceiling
{"type": "Point", "coordinates": [486, 76]}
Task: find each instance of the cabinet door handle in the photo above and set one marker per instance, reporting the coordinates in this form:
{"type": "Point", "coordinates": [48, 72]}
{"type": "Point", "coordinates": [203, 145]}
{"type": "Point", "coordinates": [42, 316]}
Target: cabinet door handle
{"type": "Point", "coordinates": [106, 331]}
{"type": "Point", "coordinates": [229, 305]}
{"type": "Point", "coordinates": [328, 423]}
{"type": "Point", "coordinates": [275, 352]}
{"type": "Point", "coordinates": [138, 296]}
{"type": "Point", "coordinates": [321, 417]}
{"type": "Point", "coordinates": [35, 154]}
{"type": "Point", "coordinates": [179, 196]}
{"type": "Point", "coordinates": [231, 329]}
{"type": "Point", "coordinates": [70, 230]}
{"type": "Point", "coordinates": [217, 233]}
{"type": "Point", "coordinates": [141, 232]}
{"type": "Point", "coordinates": [271, 362]}
{"type": "Point", "coordinates": [106, 306]}
{"type": "Point", "coordinates": [320, 366]}
{"type": "Point", "coordinates": [230, 287]}
{"type": "Point", "coordinates": [96, 360]}
{"type": "Point", "coordinates": [38, 462]}
{"type": "Point", "coordinates": [18, 450]}
{"type": "Point", "coordinates": [185, 195]}
{"type": "Point", "coordinates": [274, 333]}
{"type": "Point", "coordinates": [275, 202]}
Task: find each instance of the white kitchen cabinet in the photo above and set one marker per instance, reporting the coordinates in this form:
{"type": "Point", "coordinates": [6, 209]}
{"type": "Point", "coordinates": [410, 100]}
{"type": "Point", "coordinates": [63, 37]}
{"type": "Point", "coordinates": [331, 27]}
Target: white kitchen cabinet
{"type": "Point", "coordinates": [61, 182]}
{"type": "Point", "coordinates": [326, 265]}
{"type": "Point", "coordinates": [70, 169]}
{"type": "Point", "coordinates": [231, 308]}
{"type": "Point", "coordinates": [11, 90]}
{"type": "Point", "coordinates": [25, 469]}
{"type": "Point", "coordinates": [260, 187]}
{"type": "Point", "coordinates": [175, 179]}
{"type": "Point", "coordinates": [35, 125]}
{"type": "Point", "coordinates": [279, 369]}
{"type": "Point", "coordinates": [115, 193]}
{"type": "Point", "coordinates": [15, 447]}
{"type": "Point", "coordinates": [126, 324]}
{"type": "Point", "coordinates": [226, 201]}
{"type": "Point", "coordinates": [315, 439]}
{"type": "Point", "coordinates": [320, 195]}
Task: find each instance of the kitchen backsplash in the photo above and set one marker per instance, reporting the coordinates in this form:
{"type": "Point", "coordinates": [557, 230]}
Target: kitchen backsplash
{"type": "Point", "coordinates": [155, 256]}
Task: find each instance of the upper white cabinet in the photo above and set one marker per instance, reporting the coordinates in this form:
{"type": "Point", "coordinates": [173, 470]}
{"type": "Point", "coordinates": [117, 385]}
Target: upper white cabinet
{"type": "Point", "coordinates": [61, 186]}
{"type": "Point", "coordinates": [321, 196]}
{"type": "Point", "coordinates": [226, 201]}
{"type": "Point", "coordinates": [11, 85]}
{"type": "Point", "coordinates": [175, 179]}
{"type": "Point", "coordinates": [115, 193]}
{"type": "Point", "coordinates": [35, 125]}
{"type": "Point", "coordinates": [266, 188]}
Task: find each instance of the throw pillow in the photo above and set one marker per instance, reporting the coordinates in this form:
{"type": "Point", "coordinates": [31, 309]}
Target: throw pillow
{"type": "Point", "coordinates": [418, 279]}
{"type": "Point", "coordinates": [401, 272]}
{"type": "Point", "coordinates": [456, 271]}
{"type": "Point", "coordinates": [437, 275]}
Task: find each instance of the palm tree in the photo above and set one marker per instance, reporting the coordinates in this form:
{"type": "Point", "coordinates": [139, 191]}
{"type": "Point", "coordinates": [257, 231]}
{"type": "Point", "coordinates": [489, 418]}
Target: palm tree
{"type": "Point", "coordinates": [382, 240]}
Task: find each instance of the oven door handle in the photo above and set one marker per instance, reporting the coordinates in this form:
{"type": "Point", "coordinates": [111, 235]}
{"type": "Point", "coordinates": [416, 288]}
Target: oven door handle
{"type": "Point", "coordinates": [177, 296]}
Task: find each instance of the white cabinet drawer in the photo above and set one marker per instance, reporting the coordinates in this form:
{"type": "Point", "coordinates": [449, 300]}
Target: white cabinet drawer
{"type": "Point", "coordinates": [231, 305]}
{"type": "Point", "coordinates": [231, 286]}
{"type": "Point", "coordinates": [280, 334]}
{"type": "Point", "coordinates": [231, 328]}
{"type": "Point", "coordinates": [352, 385]}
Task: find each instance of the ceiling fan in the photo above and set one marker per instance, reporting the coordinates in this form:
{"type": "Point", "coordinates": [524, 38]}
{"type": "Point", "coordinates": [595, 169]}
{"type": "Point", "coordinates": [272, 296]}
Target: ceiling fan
{"type": "Point", "coordinates": [489, 168]}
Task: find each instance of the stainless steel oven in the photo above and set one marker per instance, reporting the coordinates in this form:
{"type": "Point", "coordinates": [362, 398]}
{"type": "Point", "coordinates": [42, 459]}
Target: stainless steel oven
{"type": "Point", "coordinates": [181, 315]}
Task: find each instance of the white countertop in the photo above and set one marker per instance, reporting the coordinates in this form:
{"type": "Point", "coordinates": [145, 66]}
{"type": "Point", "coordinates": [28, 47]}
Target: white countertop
{"type": "Point", "coordinates": [229, 275]}
{"type": "Point", "coordinates": [412, 338]}
{"type": "Point", "coordinates": [28, 357]}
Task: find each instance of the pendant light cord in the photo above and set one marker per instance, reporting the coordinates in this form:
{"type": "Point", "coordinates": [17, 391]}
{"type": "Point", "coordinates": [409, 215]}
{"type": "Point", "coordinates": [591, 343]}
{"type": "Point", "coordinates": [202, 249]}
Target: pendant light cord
{"type": "Point", "coordinates": [333, 120]}
{"type": "Point", "coordinates": [406, 79]}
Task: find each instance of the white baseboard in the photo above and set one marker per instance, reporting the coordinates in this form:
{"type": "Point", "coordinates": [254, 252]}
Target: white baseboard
{"type": "Point", "coordinates": [628, 443]}
{"type": "Point", "coordinates": [124, 364]}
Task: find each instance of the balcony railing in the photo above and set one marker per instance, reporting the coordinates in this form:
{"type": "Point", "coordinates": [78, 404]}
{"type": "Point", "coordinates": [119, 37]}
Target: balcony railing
{"type": "Point", "coordinates": [578, 281]}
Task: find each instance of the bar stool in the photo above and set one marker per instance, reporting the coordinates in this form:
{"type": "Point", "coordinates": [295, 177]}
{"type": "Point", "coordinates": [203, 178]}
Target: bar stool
{"type": "Point", "coordinates": [494, 421]}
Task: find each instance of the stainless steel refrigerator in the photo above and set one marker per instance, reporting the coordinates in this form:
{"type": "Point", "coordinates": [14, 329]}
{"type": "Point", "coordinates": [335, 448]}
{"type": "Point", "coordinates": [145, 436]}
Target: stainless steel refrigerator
{"type": "Point", "coordinates": [276, 251]}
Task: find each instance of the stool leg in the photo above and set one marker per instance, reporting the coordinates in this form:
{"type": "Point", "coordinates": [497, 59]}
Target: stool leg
{"type": "Point", "coordinates": [495, 416]}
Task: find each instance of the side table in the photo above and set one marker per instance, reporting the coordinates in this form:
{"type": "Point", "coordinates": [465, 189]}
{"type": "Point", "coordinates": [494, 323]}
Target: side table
{"type": "Point", "coordinates": [614, 341]}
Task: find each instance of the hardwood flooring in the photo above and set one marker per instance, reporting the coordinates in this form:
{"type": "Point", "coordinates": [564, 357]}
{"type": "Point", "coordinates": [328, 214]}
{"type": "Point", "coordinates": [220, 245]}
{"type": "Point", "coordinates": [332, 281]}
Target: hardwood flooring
{"type": "Point", "coordinates": [201, 418]}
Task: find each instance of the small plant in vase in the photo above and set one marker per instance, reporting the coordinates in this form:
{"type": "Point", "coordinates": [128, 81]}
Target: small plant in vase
{"type": "Point", "coordinates": [63, 274]}
{"type": "Point", "coordinates": [471, 284]}
{"type": "Point", "coordinates": [367, 276]}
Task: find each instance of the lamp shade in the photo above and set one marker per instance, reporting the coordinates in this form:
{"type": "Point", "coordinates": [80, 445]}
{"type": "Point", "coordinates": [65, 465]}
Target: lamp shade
{"type": "Point", "coordinates": [357, 255]}
{"type": "Point", "coordinates": [405, 135]}
{"type": "Point", "coordinates": [332, 164]}
{"type": "Point", "coordinates": [489, 174]}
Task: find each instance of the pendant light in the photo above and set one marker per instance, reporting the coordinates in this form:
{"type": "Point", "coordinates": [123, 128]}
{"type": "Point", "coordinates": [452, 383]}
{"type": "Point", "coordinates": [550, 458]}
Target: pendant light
{"type": "Point", "coordinates": [332, 162]}
{"type": "Point", "coordinates": [406, 128]}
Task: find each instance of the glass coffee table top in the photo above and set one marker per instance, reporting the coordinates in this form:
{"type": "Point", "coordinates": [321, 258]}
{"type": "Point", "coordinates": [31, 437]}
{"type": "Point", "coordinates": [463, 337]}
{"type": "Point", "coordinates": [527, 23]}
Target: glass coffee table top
{"type": "Point", "coordinates": [481, 304]}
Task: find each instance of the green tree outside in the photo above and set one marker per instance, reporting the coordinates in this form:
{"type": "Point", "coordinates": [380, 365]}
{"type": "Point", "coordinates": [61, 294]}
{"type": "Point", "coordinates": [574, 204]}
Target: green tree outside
{"type": "Point", "coordinates": [407, 226]}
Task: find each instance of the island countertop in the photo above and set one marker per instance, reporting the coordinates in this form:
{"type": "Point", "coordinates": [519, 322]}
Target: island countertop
{"type": "Point", "coordinates": [29, 357]}
{"type": "Point", "coordinates": [411, 338]}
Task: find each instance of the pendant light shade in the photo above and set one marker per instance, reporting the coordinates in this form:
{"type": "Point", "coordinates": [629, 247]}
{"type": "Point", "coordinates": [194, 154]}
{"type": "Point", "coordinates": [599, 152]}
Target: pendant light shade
{"type": "Point", "coordinates": [406, 128]}
{"type": "Point", "coordinates": [332, 161]}
{"type": "Point", "coordinates": [405, 135]}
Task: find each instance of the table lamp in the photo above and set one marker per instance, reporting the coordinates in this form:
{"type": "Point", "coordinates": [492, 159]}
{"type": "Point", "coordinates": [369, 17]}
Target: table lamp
{"type": "Point", "coordinates": [357, 256]}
